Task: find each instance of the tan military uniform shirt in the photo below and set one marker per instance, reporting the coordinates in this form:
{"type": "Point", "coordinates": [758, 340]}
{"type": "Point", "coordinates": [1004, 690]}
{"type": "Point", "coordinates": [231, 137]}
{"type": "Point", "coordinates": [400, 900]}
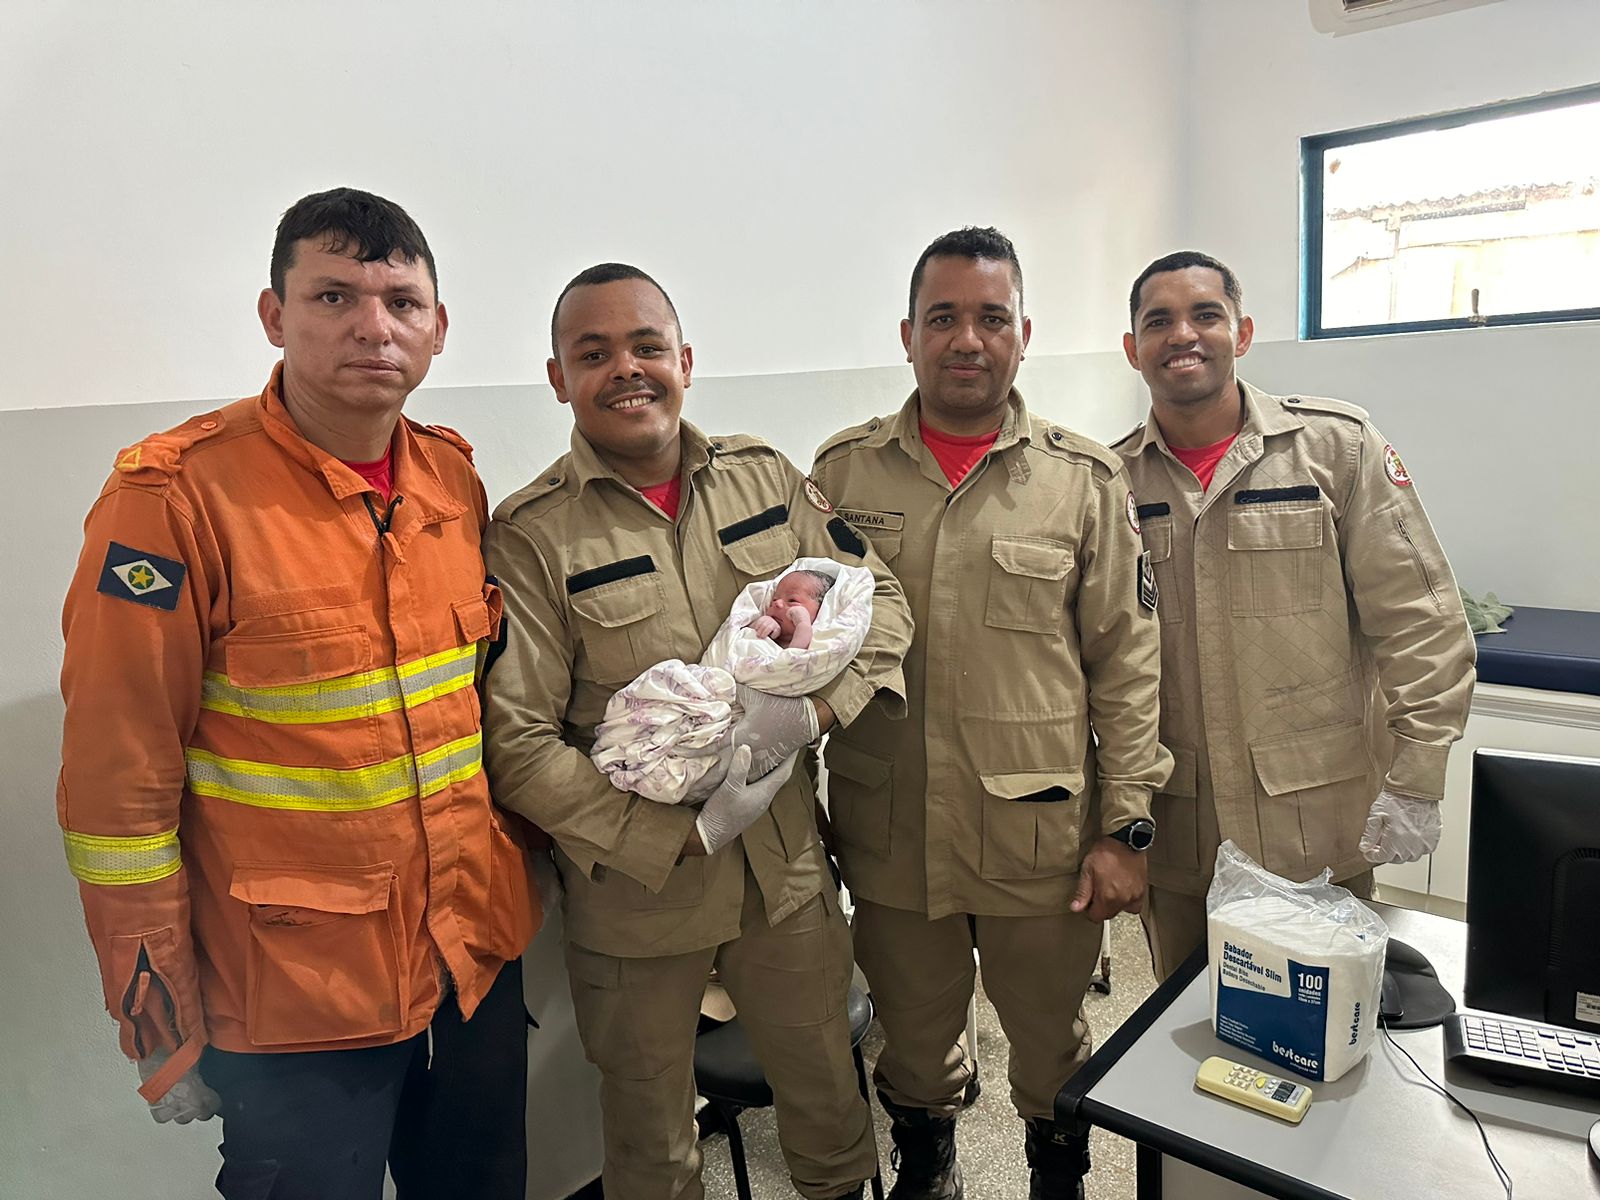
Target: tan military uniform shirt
{"type": "Point", "coordinates": [1024, 586]}
{"type": "Point", "coordinates": [599, 585]}
{"type": "Point", "coordinates": [1305, 581]}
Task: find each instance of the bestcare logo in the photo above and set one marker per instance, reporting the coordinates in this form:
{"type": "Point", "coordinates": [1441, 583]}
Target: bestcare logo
{"type": "Point", "coordinates": [1304, 1062]}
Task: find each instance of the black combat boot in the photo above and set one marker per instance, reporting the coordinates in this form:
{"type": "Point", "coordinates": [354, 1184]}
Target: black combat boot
{"type": "Point", "coordinates": [1058, 1158]}
{"type": "Point", "coordinates": [924, 1155]}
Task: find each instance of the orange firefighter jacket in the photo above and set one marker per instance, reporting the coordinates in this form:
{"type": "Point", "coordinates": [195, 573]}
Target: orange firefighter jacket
{"type": "Point", "coordinates": [272, 791]}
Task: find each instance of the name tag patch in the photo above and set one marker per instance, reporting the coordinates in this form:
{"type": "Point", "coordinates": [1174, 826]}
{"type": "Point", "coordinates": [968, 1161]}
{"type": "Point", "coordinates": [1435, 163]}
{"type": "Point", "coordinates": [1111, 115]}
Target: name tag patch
{"type": "Point", "coordinates": [142, 577]}
{"type": "Point", "coordinates": [874, 522]}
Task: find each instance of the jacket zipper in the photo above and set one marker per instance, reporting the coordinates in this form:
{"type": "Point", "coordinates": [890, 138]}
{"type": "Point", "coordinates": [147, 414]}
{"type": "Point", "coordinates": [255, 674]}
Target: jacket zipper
{"type": "Point", "coordinates": [1416, 557]}
{"type": "Point", "coordinates": [141, 969]}
{"type": "Point", "coordinates": [381, 524]}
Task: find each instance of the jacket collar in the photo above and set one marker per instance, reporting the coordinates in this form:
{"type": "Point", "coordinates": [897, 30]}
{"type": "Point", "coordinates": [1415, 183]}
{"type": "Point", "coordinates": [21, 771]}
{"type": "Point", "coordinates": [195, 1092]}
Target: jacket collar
{"type": "Point", "coordinates": [1263, 417]}
{"type": "Point", "coordinates": [416, 473]}
{"type": "Point", "coordinates": [587, 465]}
{"type": "Point", "coordinates": [906, 427]}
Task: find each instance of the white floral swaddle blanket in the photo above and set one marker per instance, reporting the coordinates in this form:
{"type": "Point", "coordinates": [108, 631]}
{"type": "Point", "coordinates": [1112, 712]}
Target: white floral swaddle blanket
{"type": "Point", "coordinates": [664, 733]}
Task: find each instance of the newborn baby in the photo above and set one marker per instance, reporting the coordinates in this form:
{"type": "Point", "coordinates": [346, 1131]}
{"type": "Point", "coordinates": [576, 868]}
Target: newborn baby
{"type": "Point", "coordinates": [795, 603]}
{"type": "Point", "coordinates": [664, 733]}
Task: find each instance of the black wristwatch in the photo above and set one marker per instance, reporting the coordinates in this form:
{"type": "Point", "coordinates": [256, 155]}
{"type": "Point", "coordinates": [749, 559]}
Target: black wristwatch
{"type": "Point", "coordinates": [1137, 835]}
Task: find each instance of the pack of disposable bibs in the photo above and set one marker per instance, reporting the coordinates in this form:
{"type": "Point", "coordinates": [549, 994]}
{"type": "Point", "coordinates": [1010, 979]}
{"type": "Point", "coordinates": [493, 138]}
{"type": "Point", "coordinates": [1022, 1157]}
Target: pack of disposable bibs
{"type": "Point", "coordinates": [1296, 968]}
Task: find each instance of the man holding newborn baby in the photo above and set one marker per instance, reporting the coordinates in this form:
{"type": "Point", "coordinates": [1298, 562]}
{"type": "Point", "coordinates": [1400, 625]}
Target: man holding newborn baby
{"type": "Point", "coordinates": [624, 555]}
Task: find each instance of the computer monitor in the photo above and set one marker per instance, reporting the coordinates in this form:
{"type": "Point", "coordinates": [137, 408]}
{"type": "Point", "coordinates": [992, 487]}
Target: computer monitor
{"type": "Point", "coordinates": [1533, 888]}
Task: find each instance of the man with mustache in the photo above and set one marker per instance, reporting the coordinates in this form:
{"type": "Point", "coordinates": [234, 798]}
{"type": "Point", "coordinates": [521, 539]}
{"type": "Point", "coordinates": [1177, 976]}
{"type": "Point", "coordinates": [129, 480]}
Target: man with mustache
{"type": "Point", "coordinates": [626, 552]}
{"type": "Point", "coordinates": [1316, 663]}
{"type": "Point", "coordinates": [308, 915]}
{"type": "Point", "coordinates": [1009, 811]}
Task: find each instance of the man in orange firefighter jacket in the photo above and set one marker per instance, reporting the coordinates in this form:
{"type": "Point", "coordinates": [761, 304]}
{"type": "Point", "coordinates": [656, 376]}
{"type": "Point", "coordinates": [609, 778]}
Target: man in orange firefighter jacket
{"type": "Point", "coordinates": [307, 913]}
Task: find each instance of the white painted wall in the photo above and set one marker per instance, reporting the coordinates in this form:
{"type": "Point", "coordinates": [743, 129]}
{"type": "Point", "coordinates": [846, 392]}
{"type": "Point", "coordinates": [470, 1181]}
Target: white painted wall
{"type": "Point", "coordinates": [1496, 425]}
{"type": "Point", "coordinates": [778, 166]}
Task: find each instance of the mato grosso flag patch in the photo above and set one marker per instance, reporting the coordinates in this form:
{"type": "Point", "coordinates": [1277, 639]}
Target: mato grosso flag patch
{"type": "Point", "coordinates": [142, 577]}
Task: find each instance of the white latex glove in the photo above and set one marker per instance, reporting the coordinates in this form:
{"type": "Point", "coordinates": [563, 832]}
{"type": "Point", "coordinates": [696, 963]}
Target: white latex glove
{"type": "Point", "coordinates": [734, 806]}
{"type": "Point", "coordinates": [1400, 829]}
{"type": "Point", "coordinates": [774, 727]}
{"type": "Point", "coordinates": [187, 1100]}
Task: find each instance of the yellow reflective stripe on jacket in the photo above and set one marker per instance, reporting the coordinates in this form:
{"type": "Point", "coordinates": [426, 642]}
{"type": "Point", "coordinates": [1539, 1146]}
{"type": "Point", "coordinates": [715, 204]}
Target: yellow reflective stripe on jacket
{"type": "Point", "coordinates": [348, 696]}
{"type": "Point", "coordinates": [122, 860]}
{"type": "Point", "coordinates": [332, 789]}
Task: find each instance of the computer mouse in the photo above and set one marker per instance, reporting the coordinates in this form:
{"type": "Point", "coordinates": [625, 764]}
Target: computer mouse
{"type": "Point", "coordinates": [1594, 1145]}
{"type": "Point", "coordinates": [1390, 1006]}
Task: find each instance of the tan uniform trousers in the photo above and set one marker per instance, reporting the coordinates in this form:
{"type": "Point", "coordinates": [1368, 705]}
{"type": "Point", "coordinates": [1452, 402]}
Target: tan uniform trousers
{"type": "Point", "coordinates": [1035, 972]}
{"type": "Point", "coordinates": [637, 1019]}
{"type": "Point", "coordinates": [1175, 923]}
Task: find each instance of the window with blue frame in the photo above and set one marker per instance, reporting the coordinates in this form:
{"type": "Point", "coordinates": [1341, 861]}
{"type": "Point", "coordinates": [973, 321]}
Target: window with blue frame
{"type": "Point", "coordinates": [1488, 216]}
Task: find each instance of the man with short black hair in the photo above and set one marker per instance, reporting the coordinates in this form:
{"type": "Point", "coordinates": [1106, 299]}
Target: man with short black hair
{"type": "Point", "coordinates": [626, 552]}
{"type": "Point", "coordinates": [1009, 811]}
{"type": "Point", "coordinates": [308, 915]}
{"type": "Point", "coordinates": [1316, 663]}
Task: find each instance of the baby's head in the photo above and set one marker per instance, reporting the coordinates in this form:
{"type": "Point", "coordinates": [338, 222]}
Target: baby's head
{"type": "Point", "coordinates": [797, 589]}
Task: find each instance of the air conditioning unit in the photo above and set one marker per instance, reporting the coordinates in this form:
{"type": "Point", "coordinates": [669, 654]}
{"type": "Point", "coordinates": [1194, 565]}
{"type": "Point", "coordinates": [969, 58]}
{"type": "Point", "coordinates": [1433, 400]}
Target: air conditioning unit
{"type": "Point", "coordinates": [1354, 16]}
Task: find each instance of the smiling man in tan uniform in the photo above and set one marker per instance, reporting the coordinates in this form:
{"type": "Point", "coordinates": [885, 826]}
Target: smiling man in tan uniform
{"type": "Point", "coordinates": [1316, 663]}
{"type": "Point", "coordinates": [989, 817]}
{"type": "Point", "coordinates": [626, 552]}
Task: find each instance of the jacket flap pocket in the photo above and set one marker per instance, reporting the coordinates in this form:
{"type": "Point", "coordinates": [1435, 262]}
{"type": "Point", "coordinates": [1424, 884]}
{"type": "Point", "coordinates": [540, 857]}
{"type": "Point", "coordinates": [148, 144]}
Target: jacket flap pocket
{"type": "Point", "coordinates": [1033, 785]}
{"type": "Point", "coordinates": [472, 619]}
{"type": "Point", "coordinates": [1307, 760]}
{"type": "Point", "coordinates": [1158, 538]}
{"type": "Point", "coordinates": [327, 889]}
{"type": "Point", "coordinates": [1039, 557]}
{"type": "Point", "coordinates": [615, 604]}
{"type": "Point", "coordinates": [868, 769]}
{"type": "Point", "coordinates": [1184, 774]}
{"type": "Point", "coordinates": [302, 657]}
{"type": "Point", "coordinates": [765, 552]}
{"type": "Point", "coordinates": [1254, 528]}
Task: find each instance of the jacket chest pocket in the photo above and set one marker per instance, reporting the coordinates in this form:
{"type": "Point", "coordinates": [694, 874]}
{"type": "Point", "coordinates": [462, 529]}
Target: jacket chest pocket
{"type": "Point", "coordinates": [860, 795]}
{"type": "Point", "coordinates": [324, 957]}
{"type": "Point", "coordinates": [621, 627]}
{"type": "Point", "coordinates": [1275, 559]}
{"type": "Point", "coordinates": [765, 553]}
{"type": "Point", "coordinates": [1158, 536]}
{"type": "Point", "coordinates": [1028, 584]}
{"type": "Point", "coordinates": [883, 529]}
{"type": "Point", "coordinates": [283, 683]}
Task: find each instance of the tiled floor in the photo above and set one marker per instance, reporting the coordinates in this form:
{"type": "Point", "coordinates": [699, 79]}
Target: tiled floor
{"type": "Point", "coordinates": [989, 1141]}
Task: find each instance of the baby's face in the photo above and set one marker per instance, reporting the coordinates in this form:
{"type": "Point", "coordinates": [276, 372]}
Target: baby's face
{"type": "Point", "coordinates": [793, 591]}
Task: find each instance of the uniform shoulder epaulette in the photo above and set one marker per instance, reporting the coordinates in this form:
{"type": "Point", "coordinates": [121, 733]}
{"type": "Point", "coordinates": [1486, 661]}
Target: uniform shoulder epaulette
{"type": "Point", "coordinates": [159, 457]}
{"type": "Point", "coordinates": [1067, 444]}
{"type": "Point", "coordinates": [854, 433]}
{"type": "Point", "coordinates": [543, 484]}
{"type": "Point", "coordinates": [1323, 404]}
{"type": "Point", "coordinates": [445, 434]}
{"type": "Point", "coordinates": [742, 444]}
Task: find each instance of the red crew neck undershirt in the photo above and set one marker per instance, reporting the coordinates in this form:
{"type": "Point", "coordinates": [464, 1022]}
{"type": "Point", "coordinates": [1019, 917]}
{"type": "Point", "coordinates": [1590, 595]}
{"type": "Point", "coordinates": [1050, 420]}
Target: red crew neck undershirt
{"type": "Point", "coordinates": [665, 496]}
{"type": "Point", "coordinates": [956, 455]}
{"type": "Point", "coordinates": [1203, 460]}
{"type": "Point", "coordinates": [379, 473]}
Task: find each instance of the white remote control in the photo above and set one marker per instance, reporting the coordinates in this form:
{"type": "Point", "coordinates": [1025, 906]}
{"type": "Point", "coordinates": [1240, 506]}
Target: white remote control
{"type": "Point", "coordinates": [1254, 1089]}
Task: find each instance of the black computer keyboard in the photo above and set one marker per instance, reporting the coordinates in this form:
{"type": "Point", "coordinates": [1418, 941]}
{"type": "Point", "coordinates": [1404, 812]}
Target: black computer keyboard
{"type": "Point", "coordinates": [1518, 1051]}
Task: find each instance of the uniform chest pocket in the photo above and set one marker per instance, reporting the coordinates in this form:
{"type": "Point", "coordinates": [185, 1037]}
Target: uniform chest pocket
{"type": "Point", "coordinates": [1028, 584]}
{"type": "Point", "coordinates": [1158, 534]}
{"type": "Point", "coordinates": [621, 627]}
{"type": "Point", "coordinates": [882, 529]}
{"type": "Point", "coordinates": [284, 684]}
{"type": "Point", "coordinates": [1275, 558]}
{"type": "Point", "coordinates": [765, 553]}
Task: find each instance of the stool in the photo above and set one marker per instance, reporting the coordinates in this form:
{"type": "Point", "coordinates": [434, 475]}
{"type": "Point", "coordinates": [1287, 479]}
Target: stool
{"type": "Point", "coordinates": [728, 1075]}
